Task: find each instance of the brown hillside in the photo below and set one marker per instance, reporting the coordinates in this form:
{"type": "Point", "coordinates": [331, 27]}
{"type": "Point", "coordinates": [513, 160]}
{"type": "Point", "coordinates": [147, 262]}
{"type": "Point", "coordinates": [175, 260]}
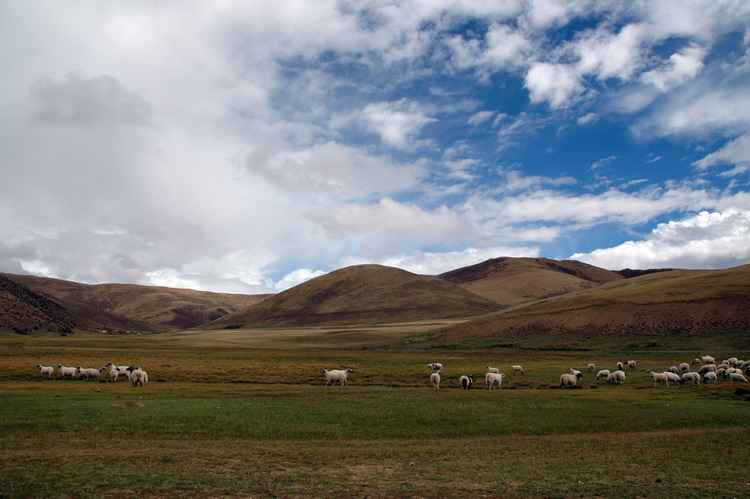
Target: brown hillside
{"type": "Point", "coordinates": [363, 293]}
{"type": "Point", "coordinates": [24, 309]}
{"type": "Point", "coordinates": [130, 306]}
{"type": "Point", "coordinates": [667, 307]}
{"type": "Point", "coordinates": [512, 281]}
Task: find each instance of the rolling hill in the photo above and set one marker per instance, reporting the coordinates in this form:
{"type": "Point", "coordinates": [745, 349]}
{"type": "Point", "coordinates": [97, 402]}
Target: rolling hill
{"type": "Point", "coordinates": [110, 306]}
{"type": "Point", "coordinates": [674, 308]}
{"type": "Point", "coordinates": [511, 281]}
{"type": "Point", "coordinates": [362, 293]}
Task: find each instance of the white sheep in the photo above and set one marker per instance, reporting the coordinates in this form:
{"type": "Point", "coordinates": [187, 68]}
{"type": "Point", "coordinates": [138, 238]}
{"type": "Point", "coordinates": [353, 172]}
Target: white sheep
{"type": "Point", "coordinates": [684, 367]}
{"type": "Point", "coordinates": [492, 379]}
{"type": "Point", "coordinates": [695, 378]}
{"type": "Point", "coordinates": [573, 371]}
{"type": "Point", "coordinates": [493, 370]}
{"type": "Point", "coordinates": [709, 377]}
{"type": "Point", "coordinates": [617, 377]}
{"type": "Point", "coordinates": [88, 373]}
{"type": "Point", "coordinates": [673, 369]}
{"type": "Point", "coordinates": [435, 379]}
{"type": "Point", "coordinates": [591, 368]}
{"type": "Point", "coordinates": [707, 368]}
{"type": "Point", "coordinates": [733, 361]}
{"type": "Point", "coordinates": [738, 377]}
{"type": "Point", "coordinates": [67, 372]}
{"type": "Point", "coordinates": [695, 362]}
{"type": "Point", "coordinates": [121, 368]}
{"type": "Point", "coordinates": [45, 370]}
{"type": "Point", "coordinates": [673, 377]}
{"type": "Point", "coordinates": [435, 366]}
{"type": "Point", "coordinates": [517, 369]}
{"type": "Point", "coordinates": [707, 359]}
{"type": "Point", "coordinates": [570, 379]}
{"type": "Point", "coordinates": [138, 377]}
{"type": "Point", "coordinates": [658, 378]}
{"type": "Point", "coordinates": [466, 381]}
{"type": "Point", "coordinates": [336, 376]}
{"type": "Point", "coordinates": [602, 374]}
{"type": "Point", "coordinates": [620, 366]}
{"type": "Point", "coordinates": [631, 365]}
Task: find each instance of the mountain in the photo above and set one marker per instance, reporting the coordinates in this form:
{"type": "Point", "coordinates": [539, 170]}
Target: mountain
{"type": "Point", "coordinates": [512, 281]}
{"type": "Point", "coordinates": [116, 306]}
{"type": "Point", "coordinates": [676, 308]}
{"type": "Point", "coordinates": [363, 293]}
{"type": "Point", "coordinates": [24, 309]}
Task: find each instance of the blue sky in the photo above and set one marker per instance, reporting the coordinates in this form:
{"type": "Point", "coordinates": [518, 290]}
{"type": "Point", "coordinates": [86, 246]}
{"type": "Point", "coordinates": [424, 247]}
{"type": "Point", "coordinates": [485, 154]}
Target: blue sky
{"type": "Point", "coordinates": [248, 146]}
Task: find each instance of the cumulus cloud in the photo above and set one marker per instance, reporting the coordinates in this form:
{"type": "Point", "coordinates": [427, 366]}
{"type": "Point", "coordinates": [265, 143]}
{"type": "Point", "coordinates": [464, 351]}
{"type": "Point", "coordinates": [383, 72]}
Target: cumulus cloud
{"type": "Point", "coordinates": [397, 123]}
{"type": "Point", "coordinates": [557, 84]}
{"type": "Point", "coordinates": [706, 240]}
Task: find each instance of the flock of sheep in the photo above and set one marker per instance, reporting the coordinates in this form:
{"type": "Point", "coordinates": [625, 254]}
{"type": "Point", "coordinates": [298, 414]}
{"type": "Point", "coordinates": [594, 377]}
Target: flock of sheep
{"type": "Point", "coordinates": [708, 371]}
{"type": "Point", "coordinates": [136, 375]}
{"type": "Point", "coordinates": [732, 369]}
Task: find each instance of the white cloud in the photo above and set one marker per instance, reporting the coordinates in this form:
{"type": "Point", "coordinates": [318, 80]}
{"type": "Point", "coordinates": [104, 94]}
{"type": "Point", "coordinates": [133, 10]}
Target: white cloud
{"type": "Point", "coordinates": [558, 84]}
{"type": "Point", "coordinates": [397, 123]}
{"type": "Point", "coordinates": [611, 55]}
{"type": "Point", "coordinates": [706, 240]}
{"type": "Point", "coordinates": [681, 67]}
{"type": "Point", "coordinates": [736, 152]}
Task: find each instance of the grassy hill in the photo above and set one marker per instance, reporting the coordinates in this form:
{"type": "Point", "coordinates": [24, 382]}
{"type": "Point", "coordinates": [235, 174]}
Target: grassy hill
{"type": "Point", "coordinates": [511, 281]}
{"type": "Point", "coordinates": [678, 308]}
{"type": "Point", "coordinates": [362, 293]}
{"type": "Point", "coordinates": [118, 306]}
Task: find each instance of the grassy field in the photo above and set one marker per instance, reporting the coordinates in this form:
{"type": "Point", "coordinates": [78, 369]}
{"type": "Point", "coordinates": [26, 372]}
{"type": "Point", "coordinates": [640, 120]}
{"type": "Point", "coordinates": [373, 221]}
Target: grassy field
{"type": "Point", "coordinates": [230, 419]}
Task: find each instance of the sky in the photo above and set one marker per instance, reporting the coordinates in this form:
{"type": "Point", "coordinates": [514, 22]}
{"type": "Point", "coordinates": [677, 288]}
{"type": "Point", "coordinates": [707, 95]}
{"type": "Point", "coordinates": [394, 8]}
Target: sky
{"type": "Point", "coordinates": [248, 146]}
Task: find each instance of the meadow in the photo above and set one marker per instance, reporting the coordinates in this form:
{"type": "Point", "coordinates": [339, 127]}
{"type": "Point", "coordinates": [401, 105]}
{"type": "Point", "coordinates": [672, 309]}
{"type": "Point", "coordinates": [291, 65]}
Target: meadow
{"type": "Point", "coordinates": [226, 418]}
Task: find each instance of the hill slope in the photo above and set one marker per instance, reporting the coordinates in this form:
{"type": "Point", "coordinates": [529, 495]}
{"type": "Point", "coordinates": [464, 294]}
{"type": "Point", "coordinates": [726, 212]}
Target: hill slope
{"type": "Point", "coordinates": [362, 293]}
{"type": "Point", "coordinates": [130, 306]}
{"type": "Point", "coordinates": [666, 308]}
{"type": "Point", "coordinates": [512, 281]}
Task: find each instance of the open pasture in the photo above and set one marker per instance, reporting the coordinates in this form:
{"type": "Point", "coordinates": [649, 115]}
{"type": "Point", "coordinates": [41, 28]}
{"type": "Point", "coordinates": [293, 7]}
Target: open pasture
{"type": "Point", "coordinates": [242, 421]}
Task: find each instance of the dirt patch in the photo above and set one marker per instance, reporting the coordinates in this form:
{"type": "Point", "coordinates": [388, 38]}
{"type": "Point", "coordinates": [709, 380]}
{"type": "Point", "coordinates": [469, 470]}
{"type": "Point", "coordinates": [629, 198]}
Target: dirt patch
{"type": "Point", "coordinates": [128, 403]}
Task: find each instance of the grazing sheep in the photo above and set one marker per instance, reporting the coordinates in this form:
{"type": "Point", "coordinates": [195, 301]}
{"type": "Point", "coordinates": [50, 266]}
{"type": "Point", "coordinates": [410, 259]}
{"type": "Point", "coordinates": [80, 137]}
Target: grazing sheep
{"type": "Point", "coordinates": [602, 374]}
{"type": "Point", "coordinates": [658, 378]}
{"type": "Point", "coordinates": [620, 366]}
{"type": "Point", "coordinates": [695, 362]}
{"type": "Point", "coordinates": [435, 366]}
{"type": "Point", "coordinates": [435, 379]}
{"type": "Point", "coordinates": [631, 365]}
{"type": "Point", "coordinates": [709, 377]}
{"type": "Point", "coordinates": [591, 368]}
{"type": "Point", "coordinates": [124, 369]}
{"type": "Point", "coordinates": [733, 361]}
{"type": "Point", "coordinates": [573, 371]}
{"type": "Point", "coordinates": [67, 372]}
{"type": "Point", "coordinates": [466, 381]}
{"type": "Point", "coordinates": [707, 368]}
{"type": "Point", "coordinates": [721, 373]}
{"type": "Point", "coordinates": [138, 377]}
{"type": "Point", "coordinates": [694, 377]}
{"type": "Point", "coordinates": [491, 379]}
{"type": "Point", "coordinates": [673, 369]}
{"type": "Point", "coordinates": [89, 373]}
{"type": "Point", "coordinates": [738, 377]}
{"type": "Point", "coordinates": [570, 379]}
{"type": "Point", "coordinates": [48, 370]}
{"type": "Point", "coordinates": [617, 377]}
{"type": "Point", "coordinates": [684, 367]}
{"type": "Point", "coordinates": [493, 370]}
{"type": "Point", "coordinates": [707, 359]}
{"type": "Point", "coordinates": [674, 378]}
{"type": "Point", "coordinates": [517, 369]}
{"type": "Point", "coordinates": [336, 376]}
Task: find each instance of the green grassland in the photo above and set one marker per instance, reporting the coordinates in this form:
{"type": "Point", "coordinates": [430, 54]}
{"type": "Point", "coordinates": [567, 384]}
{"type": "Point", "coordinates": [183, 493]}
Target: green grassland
{"type": "Point", "coordinates": [230, 419]}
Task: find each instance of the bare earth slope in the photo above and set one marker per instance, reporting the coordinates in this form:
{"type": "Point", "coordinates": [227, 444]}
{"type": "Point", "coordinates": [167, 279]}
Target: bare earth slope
{"type": "Point", "coordinates": [363, 293]}
{"type": "Point", "coordinates": [662, 308]}
{"type": "Point", "coordinates": [512, 281]}
{"type": "Point", "coordinates": [130, 306]}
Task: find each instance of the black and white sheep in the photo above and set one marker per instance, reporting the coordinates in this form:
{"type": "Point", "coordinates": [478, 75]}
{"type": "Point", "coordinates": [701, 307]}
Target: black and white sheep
{"type": "Point", "coordinates": [45, 370]}
{"type": "Point", "coordinates": [684, 367]}
{"type": "Point", "coordinates": [492, 379]}
{"type": "Point", "coordinates": [591, 368]}
{"type": "Point", "coordinates": [617, 377]}
{"type": "Point", "coordinates": [604, 373]}
{"type": "Point", "coordinates": [67, 372]}
{"type": "Point", "coordinates": [517, 369]}
{"type": "Point", "coordinates": [658, 378]}
{"type": "Point", "coordinates": [138, 377]}
{"type": "Point", "coordinates": [570, 379]}
{"type": "Point", "coordinates": [466, 381]}
{"type": "Point", "coordinates": [435, 366]}
{"type": "Point", "coordinates": [336, 376]}
{"type": "Point", "coordinates": [631, 365]}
